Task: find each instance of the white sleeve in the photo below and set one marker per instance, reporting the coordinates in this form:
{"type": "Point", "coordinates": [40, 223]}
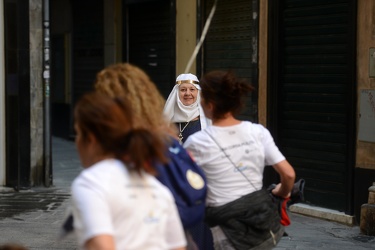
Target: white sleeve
{"type": "Point", "coordinates": [92, 214]}
{"type": "Point", "coordinates": [271, 151]}
{"type": "Point", "coordinates": [175, 232]}
{"type": "Point", "coordinates": [190, 146]}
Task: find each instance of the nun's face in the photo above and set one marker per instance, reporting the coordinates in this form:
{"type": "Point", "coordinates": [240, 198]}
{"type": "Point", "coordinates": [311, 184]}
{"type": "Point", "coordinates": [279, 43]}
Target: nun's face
{"type": "Point", "coordinates": [187, 93]}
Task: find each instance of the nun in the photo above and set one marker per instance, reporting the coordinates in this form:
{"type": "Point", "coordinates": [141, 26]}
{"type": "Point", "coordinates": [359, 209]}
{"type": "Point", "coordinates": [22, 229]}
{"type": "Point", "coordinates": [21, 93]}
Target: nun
{"type": "Point", "coordinates": [183, 107]}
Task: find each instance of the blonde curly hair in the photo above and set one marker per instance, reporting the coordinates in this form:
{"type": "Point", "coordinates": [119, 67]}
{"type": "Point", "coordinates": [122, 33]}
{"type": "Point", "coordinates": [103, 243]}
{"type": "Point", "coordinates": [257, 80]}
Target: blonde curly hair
{"type": "Point", "coordinates": [129, 81]}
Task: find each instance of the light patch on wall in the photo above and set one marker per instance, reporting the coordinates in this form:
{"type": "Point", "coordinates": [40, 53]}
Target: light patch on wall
{"type": "Point", "coordinates": [371, 66]}
{"type": "Point", "coordinates": [366, 131]}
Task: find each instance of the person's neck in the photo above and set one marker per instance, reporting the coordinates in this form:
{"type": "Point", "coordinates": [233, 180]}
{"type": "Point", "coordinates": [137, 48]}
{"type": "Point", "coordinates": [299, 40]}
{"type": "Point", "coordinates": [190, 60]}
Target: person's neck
{"type": "Point", "coordinates": [196, 118]}
{"type": "Point", "coordinates": [228, 120]}
{"type": "Point", "coordinates": [97, 158]}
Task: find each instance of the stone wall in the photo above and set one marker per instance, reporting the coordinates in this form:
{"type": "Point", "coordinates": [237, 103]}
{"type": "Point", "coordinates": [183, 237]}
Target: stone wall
{"type": "Point", "coordinates": [365, 40]}
{"type": "Point", "coordinates": [263, 62]}
{"type": "Point", "coordinates": [36, 91]}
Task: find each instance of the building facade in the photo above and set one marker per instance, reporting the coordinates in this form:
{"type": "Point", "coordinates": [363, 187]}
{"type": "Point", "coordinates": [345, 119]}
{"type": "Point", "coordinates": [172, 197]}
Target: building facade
{"type": "Point", "coordinates": [309, 61]}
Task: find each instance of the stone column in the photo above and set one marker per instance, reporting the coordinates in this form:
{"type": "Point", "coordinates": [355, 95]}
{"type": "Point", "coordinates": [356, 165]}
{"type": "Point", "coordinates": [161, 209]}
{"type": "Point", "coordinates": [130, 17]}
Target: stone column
{"type": "Point", "coordinates": [36, 91]}
{"type": "Point", "coordinates": [186, 34]}
{"type": "Point", "coordinates": [367, 223]}
{"type": "Point", "coordinates": [112, 31]}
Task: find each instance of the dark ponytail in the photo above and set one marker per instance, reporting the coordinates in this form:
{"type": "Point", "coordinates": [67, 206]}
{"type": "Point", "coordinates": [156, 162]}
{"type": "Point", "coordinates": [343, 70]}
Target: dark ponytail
{"type": "Point", "coordinates": [141, 149]}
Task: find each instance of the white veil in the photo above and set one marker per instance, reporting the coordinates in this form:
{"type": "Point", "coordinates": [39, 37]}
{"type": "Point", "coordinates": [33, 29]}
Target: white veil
{"type": "Point", "coordinates": [175, 111]}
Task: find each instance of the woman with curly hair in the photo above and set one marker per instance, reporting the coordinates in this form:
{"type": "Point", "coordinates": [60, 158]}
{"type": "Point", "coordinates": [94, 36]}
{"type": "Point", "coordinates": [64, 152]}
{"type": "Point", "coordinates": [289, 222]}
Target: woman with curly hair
{"type": "Point", "coordinates": [132, 83]}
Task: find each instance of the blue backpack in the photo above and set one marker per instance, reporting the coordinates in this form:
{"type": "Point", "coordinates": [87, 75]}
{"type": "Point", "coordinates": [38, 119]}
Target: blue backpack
{"type": "Point", "coordinates": [187, 182]}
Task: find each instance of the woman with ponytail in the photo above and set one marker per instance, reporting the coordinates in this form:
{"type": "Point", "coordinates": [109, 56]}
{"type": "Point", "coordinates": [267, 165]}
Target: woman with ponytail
{"type": "Point", "coordinates": [233, 154]}
{"type": "Point", "coordinates": [116, 201]}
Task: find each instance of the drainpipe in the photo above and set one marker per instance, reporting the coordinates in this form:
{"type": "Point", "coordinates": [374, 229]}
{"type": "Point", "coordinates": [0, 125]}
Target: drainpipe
{"type": "Point", "coordinates": [46, 83]}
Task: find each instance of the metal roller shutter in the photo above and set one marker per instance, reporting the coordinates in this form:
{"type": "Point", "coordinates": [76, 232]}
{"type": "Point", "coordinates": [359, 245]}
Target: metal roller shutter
{"type": "Point", "coordinates": [315, 96]}
{"type": "Point", "coordinates": [88, 44]}
{"type": "Point", "coordinates": [151, 41]}
{"type": "Point", "coordinates": [229, 44]}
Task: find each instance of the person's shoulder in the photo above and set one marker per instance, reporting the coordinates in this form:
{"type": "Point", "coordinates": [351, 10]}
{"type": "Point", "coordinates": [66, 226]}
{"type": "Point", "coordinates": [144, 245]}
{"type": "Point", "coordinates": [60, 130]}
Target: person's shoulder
{"type": "Point", "coordinates": [162, 189]}
{"type": "Point", "coordinates": [259, 130]}
{"type": "Point", "coordinates": [254, 126]}
{"type": "Point", "coordinates": [99, 171]}
{"type": "Point", "coordinates": [200, 134]}
{"type": "Point", "coordinates": [198, 137]}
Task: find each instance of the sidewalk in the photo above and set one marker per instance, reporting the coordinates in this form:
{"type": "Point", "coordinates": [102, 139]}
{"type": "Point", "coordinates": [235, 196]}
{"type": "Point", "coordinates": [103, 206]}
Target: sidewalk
{"type": "Point", "coordinates": [309, 233]}
{"type": "Point", "coordinates": [33, 218]}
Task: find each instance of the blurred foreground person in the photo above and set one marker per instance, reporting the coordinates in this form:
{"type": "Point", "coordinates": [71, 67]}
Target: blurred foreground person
{"type": "Point", "coordinates": [12, 246]}
{"type": "Point", "coordinates": [233, 154]}
{"type": "Point", "coordinates": [117, 203]}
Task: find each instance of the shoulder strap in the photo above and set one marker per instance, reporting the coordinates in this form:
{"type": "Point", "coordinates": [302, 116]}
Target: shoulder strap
{"type": "Point", "coordinates": [226, 155]}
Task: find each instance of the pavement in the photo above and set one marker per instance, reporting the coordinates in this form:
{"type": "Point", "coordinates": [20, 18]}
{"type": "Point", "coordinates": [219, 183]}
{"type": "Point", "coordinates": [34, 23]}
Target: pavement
{"type": "Point", "coordinates": [33, 218]}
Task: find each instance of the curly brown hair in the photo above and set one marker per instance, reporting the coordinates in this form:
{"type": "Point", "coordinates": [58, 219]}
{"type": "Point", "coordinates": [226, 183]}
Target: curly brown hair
{"type": "Point", "coordinates": [225, 91]}
{"type": "Point", "coordinates": [129, 81]}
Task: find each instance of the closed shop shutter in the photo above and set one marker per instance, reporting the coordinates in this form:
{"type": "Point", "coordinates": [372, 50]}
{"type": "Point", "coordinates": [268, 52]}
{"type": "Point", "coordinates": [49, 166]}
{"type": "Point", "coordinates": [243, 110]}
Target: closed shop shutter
{"type": "Point", "coordinates": [314, 100]}
{"type": "Point", "coordinates": [150, 36]}
{"type": "Point", "coordinates": [229, 44]}
{"type": "Point", "coordinates": [88, 45]}
{"type": "Point", "coordinates": [17, 94]}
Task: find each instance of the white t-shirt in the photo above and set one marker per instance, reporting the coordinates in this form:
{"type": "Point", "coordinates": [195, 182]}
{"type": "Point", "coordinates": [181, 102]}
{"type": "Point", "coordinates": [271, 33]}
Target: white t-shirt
{"type": "Point", "coordinates": [249, 146]}
{"type": "Point", "coordinates": [139, 212]}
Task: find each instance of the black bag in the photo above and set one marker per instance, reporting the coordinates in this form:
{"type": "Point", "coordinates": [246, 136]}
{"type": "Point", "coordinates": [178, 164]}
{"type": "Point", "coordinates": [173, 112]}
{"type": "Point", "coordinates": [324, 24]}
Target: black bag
{"type": "Point", "coordinates": [251, 221]}
{"type": "Point", "coordinates": [296, 195]}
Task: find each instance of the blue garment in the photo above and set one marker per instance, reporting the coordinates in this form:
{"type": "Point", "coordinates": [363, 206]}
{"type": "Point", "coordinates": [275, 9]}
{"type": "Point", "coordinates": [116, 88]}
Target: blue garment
{"type": "Point", "coordinates": [202, 236]}
{"type": "Point", "coordinates": [191, 128]}
{"type": "Point", "coordinates": [200, 233]}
